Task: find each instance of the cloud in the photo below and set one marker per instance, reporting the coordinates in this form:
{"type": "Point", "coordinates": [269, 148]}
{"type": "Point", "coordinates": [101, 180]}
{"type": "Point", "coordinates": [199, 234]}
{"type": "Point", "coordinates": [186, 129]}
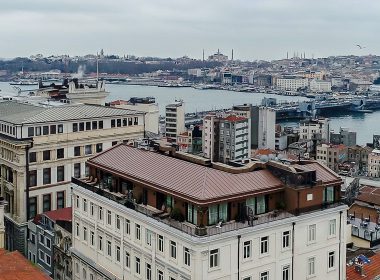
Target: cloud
{"type": "Point", "coordinates": [254, 28]}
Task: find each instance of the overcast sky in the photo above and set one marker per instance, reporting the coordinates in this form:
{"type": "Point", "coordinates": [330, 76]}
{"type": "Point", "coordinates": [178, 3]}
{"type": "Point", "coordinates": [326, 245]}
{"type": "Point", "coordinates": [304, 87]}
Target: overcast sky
{"type": "Point", "coordinates": [255, 29]}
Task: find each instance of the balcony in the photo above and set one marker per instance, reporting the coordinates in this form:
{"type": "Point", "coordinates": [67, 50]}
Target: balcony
{"type": "Point", "coordinates": [185, 227]}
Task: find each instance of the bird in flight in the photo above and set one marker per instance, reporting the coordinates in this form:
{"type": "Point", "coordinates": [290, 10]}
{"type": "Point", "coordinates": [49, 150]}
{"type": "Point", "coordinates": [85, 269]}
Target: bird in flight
{"type": "Point", "coordinates": [360, 47]}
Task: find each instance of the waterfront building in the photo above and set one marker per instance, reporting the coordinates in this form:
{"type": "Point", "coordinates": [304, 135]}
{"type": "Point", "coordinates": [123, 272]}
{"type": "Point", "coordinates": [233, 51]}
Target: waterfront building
{"type": "Point", "coordinates": [226, 138]}
{"type": "Point", "coordinates": [291, 83]}
{"type": "Point", "coordinates": [332, 155]}
{"type": "Point", "coordinates": [44, 233]}
{"type": "Point", "coordinates": [374, 164]}
{"type": "Point", "coordinates": [155, 216]}
{"type": "Point", "coordinates": [344, 136]}
{"type": "Point", "coordinates": [147, 105]}
{"type": "Point", "coordinates": [174, 120]}
{"type": "Point", "coordinates": [43, 147]}
{"type": "Point", "coordinates": [320, 86]}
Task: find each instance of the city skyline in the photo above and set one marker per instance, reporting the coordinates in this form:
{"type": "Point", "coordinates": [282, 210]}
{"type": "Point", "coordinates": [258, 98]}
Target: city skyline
{"type": "Point", "coordinates": [259, 30]}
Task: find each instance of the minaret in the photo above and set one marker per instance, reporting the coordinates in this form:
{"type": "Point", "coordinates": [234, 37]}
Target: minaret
{"type": "Point", "coordinates": [232, 55]}
{"type": "Point", "coordinates": [287, 55]}
{"type": "Point", "coordinates": [203, 55]}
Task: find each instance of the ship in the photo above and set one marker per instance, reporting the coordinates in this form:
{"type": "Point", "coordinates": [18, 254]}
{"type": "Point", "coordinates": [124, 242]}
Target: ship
{"type": "Point", "coordinates": [23, 83]}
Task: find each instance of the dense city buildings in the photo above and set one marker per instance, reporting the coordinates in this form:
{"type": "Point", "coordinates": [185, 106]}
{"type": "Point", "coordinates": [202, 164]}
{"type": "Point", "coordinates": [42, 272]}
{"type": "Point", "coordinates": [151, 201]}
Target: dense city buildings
{"type": "Point", "coordinates": [344, 136]}
{"type": "Point", "coordinates": [374, 164]}
{"type": "Point", "coordinates": [43, 147]}
{"type": "Point", "coordinates": [154, 216]}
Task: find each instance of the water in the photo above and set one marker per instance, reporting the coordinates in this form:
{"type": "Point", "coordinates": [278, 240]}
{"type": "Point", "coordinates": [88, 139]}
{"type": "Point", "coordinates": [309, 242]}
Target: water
{"type": "Point", "coordinates": [365, 124]}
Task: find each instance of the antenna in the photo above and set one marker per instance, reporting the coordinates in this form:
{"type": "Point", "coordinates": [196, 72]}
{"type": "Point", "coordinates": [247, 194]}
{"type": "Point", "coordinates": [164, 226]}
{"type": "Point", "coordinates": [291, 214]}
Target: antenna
{"type": "Point", "coordinates": [97, 67]}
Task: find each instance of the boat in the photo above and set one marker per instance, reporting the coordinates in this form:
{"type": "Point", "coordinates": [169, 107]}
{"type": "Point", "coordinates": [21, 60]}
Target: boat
{"type": "Point", "coordinates": [24, 83]}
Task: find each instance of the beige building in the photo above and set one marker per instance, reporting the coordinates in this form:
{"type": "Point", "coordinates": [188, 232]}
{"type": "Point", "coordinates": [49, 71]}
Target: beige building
{"type": "Point", "coordinates": [292, 83]}
{"type": "Point", "coordinates": [320, 86]}
{"type": "Point", "coordinates": [374, 164]}
{"type": "Point", "coordinates": [174, 120]}
{"type": "Point", "coordinates": [2, 227]}
{"type": "Point", "coordinates": [41, 148]}
{"type": "Point", "coordinates": [332, 155]}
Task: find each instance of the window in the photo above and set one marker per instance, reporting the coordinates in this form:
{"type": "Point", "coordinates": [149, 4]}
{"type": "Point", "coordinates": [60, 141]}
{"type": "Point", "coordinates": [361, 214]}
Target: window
{"type": "Point", "coordinates": [99, 147]}
{"type": "Point", "coordinates": [173, 249]}
{"type": "Point", "coordinates": [127, 226]}
{"type": "Point", "coordinates": [331, 259]}
{"type": "Point", "coordinates": [192, 213]}
{"type": "Point", "coordinates": [118, 253]}
{"type": "Point", "coordinates": [60, 153]}
{"type": "Point", "coordinates": [53, 129]}
{"type": "Point", "coordinates": [129, 121]}
{"type": "Point", "coordinates": [186, 256]}
{"type": "Point", "coordinates": [77, 170]}
{"type": "Point", "coordinates": [214, 258]}
{"type": "Point", "coordinates": [45, 130]}
{"type": "Point", "coordinates": [100, 243]}
{"type": "Point", "coordinates": [136, 121]}
{"type": "Point", "coordinates": [114, 143]}
{"type": "Point", "coordinates": [332, 227]}
{"type": "Point", "coordinates": [148, 236]}
{"type": "Point", "coordinates": [84, 274]}
{"type": "Point", "coordinates": [77, 201]}
{"type": "Point", "coordinates": [148, 272]}
{"type": "Point", "coordinates": [109, 217]}
{"type": "Point", "coordinates": [60, 200]}
{"type": "Point", "coordinates": [247, 278]}
{"type": "Point", "coordinates": [30, 131]}
{"type": "Point", "coordinates": [137, 265]}
{"type": "Point", "coordinates": [84, 233]}
{"type": "Point", "coordinates": [264, 275]}
{"type": "Point", "coordinates": [75, 127]}
{"type": "Point", "coordinates": [60, 128]}
{"type": "Point", "coordinates": [112, 123]}
{"type": "Point", "coordinates": [264, 245]}
{"type": "Point", "coordinates": [38, 131]}
{"type": "Point", "coordinates": [46, 202]}
{"type": "Point", "coordinates": [81, 126]}
{"type": "Point", "coordinates": [261, 205]}
{"type": "Point", "coordinates": [84, 205]}
{"type": "Point", "coordinates": [77, 229]}
{"type": "Point", "coordinates": [46, 176]}
{"type": "Point", "coordinates": [46, 155]}
{"type": "Point", "coordinates": [160, 275]}
{"type": "Point", "coordinates": [41, 255]}
{"type": "Point", "coordinates": [32, 178]}
{"type": "Point", "coordinates": [91, 209]}
{"type": "Point", "coordinates": [118, 222]}
{"type": "Point", "coordinates": [118, 123]}
{"type": "Point", "coordinates": [328, 195]}
{"type": "Point", "coordinates": [217, 213]}
{"type": "Point", "coordinates": [88, 149]}
{"type": "Point", "coordinates": [88, 125]}
{"type": "Point", "coordinates": [32, 157]}
{"type": "Point", "coordinates": [311, 233]}
{"type": "Point", "coordinates": [60, 173]}
{"type": "Point", "coordinates": [94, 125]}
{"type": "Point", "coordinates": [311, 266]}
{"type": "Point", "coordinates": [100, 124]}
{"type": "Point", "coordinates": [127, 260]}
{"type": "Point", "coordinates": [77, 151]}
{"type": "Point", "coordinates": [42, 239]}
{"type": "Point", "coordinates": [286, 239]}
{"type": "Point", "coordinates": [160, 243]}
{"type": "Point", "coordinates": [138, 232]}
{"type": "Point", "coordinates": [32, 207]}
{"type": "Point", "coordinates": [286, 272]}
{"type": "Point", "coordinates": [100, 214]}
{"type": "Point", "coordinates": [247, 249]}
{"type": "Point", "coordinates": [92, 238]}
{"type": "Point", "coordinates": [309, 197]}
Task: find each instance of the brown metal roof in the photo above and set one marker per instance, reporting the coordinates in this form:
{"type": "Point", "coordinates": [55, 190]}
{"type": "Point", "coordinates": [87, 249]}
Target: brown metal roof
{"type": "Point", "coordinates": [323, 173]}
{"type": "Point", "coordinates": [370, 195]}
{"type": "Point", "coordinates": [187, 180]}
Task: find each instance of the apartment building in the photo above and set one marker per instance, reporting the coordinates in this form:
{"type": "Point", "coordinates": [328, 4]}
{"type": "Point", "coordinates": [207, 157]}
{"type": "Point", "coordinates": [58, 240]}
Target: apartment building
{"type": "Point", "coordinates": [41, 148]}
{"type": "Point", "coordinates": [344, 136]}
{"type": "Point", "coordinates": [226, 137]}
{"type": "Point", "coordinates": [174, 120]}
{"type": "Point", "coordinates": [2, 226]}
{"type": "Point", "coordinates": [154, 216]}
{"type": "Point", "coordinates": [291, 83]}
{"type": "Point", "coordinates": [374, 164]}
{"type": "Point", "coordinates": [43, 235]}
{"type": "Point", "coordinates": [332, 155]}
{"type": "Point", "coordinates": [320, 86]}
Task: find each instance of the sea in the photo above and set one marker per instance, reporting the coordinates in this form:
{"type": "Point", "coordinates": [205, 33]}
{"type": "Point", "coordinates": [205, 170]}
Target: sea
{"type": "Point", "coordinates": [365, 124]}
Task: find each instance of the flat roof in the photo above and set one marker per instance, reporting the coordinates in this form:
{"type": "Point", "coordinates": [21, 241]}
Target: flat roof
{"type": "Point", "coordinates": [189, 181]}
{"type": "Point", "coordinates": [23, 113]}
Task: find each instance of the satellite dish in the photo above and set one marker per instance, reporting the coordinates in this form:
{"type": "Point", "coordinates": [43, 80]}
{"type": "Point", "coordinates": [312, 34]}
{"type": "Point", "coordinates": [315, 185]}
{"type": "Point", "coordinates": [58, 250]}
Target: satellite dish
{"type": "Point", "coordinates": [264, 158]}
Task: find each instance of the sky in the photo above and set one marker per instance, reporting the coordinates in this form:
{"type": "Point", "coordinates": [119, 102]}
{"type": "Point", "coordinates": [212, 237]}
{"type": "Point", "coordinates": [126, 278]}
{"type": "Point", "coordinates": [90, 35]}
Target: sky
{"type": "Point", "coordinates": [255, 29]}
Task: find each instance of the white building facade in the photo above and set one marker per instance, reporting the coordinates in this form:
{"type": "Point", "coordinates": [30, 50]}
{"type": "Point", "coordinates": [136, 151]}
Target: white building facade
{"type": "Point", "coordinates": [292, 83]}
{"type": "Point", "coordinates": [174, 120]}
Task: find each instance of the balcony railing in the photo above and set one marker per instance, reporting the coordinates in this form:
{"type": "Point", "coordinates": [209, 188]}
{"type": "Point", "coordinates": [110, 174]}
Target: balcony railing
{"type": "Point", "coordinates": [189, 228]}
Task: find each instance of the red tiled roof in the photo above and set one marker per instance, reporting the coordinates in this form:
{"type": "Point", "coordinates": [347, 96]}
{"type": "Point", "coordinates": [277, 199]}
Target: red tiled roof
{"type": "Point", "coordinates": [14, 266]}
{"type": "Point", "coordinates": [63, 214]}
{"type": "Point", "coordinates": [187, 180]}
{"type": "Point", "coordinates": [371, 270]}
{"type": "Point", "coordinates": [233, 118]}
{"type": "Point", "coordinates": [369, 194]}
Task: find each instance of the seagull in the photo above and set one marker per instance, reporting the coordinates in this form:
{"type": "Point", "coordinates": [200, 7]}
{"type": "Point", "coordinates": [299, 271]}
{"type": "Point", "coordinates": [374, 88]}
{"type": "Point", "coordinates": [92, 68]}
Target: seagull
{"type": "Point", "coordinates": [360, 47]}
